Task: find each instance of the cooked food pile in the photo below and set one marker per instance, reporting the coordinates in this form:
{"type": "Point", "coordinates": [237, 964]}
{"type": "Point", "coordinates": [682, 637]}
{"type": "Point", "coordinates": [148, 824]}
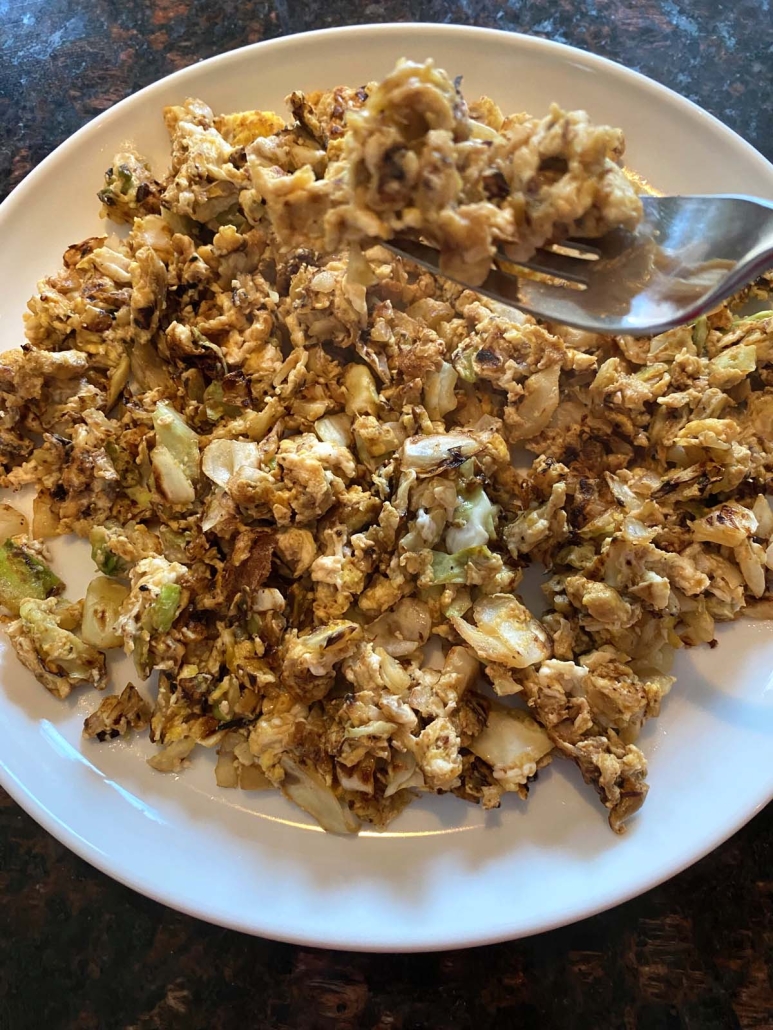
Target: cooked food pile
{"type": "Point", "coordinates": [295, 468]}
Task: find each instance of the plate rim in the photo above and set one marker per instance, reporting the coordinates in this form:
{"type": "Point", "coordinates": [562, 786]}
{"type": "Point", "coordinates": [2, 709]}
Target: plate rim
{"type": "Point", "coordinates": [87, 850]}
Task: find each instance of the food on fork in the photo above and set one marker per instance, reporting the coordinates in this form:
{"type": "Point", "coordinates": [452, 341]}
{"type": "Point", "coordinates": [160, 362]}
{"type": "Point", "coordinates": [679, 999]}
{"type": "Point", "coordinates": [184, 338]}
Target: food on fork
{"type": "Point", "coordinates": [294, 467]}
{"type": "Point", "coordinates": [412, 157]}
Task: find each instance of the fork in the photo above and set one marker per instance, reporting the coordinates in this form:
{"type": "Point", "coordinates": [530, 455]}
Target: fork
{"type": "Point", "coordinates": [687, 255]}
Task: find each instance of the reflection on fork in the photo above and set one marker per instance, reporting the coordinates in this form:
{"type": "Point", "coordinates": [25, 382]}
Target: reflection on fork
{"type": "Point", "coordinates": [687, 256]}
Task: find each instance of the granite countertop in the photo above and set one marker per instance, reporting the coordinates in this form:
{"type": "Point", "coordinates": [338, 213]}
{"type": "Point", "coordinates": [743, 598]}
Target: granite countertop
{"type": "Point", "coordinates": [80, 951]}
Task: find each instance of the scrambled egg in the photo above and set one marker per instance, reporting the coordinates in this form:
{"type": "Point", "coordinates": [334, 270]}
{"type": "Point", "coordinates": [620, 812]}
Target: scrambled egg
{"type": "Point", "coordinates": [291, 454]}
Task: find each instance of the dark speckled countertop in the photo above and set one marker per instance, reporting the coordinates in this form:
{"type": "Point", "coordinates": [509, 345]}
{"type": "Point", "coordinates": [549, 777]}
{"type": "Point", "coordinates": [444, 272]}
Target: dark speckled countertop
{"type": "Point", "coordinates": [79, 951]}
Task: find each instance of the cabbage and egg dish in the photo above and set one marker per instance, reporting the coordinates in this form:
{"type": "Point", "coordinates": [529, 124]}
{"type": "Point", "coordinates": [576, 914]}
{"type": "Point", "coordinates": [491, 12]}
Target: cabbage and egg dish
{"type": "Point", "coordinates": [291, 452]}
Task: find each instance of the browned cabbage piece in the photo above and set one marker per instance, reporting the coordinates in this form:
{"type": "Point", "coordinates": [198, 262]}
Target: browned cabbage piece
{"type": "Point", "coordinates": [44, 640]}
{"type": "Point", "coordinates": [118, 715]}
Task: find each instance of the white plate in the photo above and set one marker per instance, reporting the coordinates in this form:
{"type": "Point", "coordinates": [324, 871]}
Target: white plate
{"type": "Point", "coordinates": [447, 875]}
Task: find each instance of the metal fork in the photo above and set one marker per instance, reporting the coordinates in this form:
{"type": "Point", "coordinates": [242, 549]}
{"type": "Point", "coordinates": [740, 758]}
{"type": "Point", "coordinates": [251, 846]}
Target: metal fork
{"type": "Point", "coordinates": [687, 256]}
